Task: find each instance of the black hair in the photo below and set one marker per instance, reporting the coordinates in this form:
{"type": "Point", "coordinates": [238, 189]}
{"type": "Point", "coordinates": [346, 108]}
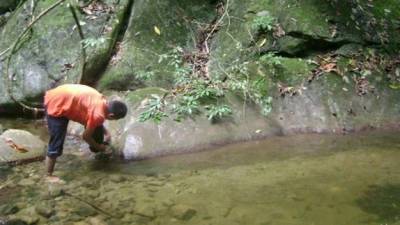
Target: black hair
{"type": "Point", "coordinates": [118, 108]}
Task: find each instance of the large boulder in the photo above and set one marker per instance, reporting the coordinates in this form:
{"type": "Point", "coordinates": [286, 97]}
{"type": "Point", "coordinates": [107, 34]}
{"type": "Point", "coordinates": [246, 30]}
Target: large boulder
{"type": "Point", "coordinates": [51, 52]}
{"type": "Point", "coordinates": [32, 147]}
{"type": "Point", "coordinates": [324, 106]}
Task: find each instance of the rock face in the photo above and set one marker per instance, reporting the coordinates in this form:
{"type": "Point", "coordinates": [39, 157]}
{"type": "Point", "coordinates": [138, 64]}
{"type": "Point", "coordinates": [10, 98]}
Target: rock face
{"type": "Point", "coordinates": [32, 147]}
{"type": "Point", "coordinates": [51, 54]}
{"type": "Point", "coordinates": [316, 71]}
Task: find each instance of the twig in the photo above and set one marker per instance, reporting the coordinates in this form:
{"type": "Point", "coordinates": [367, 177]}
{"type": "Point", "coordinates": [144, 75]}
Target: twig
{"type": "Point", "coordinates": [5, 51]}
{"type": "Point", "coordinates": [90, 204]}
{"type": "Point", "coordinates": [218, 22]}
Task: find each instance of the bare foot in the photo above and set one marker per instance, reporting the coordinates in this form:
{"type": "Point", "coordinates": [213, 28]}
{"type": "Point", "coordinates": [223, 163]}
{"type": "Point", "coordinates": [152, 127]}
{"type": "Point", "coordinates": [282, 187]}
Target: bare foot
{"type": "Point", "coordinates": [54, 180]}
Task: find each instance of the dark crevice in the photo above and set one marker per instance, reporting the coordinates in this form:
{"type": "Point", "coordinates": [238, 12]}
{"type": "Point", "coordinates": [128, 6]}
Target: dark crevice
{"type": "Point", "coordinates": [310, 46]}
{"type": "Point", "coordinates": [92, 75]}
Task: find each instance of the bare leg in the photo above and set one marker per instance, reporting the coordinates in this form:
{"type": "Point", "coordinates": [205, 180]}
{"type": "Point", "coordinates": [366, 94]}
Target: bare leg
{"type": "Point", "coordinates": [50, 163]}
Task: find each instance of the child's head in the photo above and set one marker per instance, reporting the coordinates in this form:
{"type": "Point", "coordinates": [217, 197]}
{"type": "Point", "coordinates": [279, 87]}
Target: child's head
{"type": "Point", "coordinates": [116, 110]}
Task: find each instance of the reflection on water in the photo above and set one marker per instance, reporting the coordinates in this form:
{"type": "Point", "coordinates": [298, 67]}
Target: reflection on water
{"type": "Point", "coordinates": [304, 179]}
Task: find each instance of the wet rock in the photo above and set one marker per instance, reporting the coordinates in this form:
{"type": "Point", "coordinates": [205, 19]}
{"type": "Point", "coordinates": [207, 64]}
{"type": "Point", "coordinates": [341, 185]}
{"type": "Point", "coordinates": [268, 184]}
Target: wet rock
{"type": "Point", "coordinates": [93, 194]}
{"type": "Point", "coordinates": [45, 210]}
{"type": "Point", "coordinates": [81, 223]}
{"type": "Point", "coordinates": [15, 221]}
{"type": "Point", "coordinates": [183, 212]}
{"type": "Point", "coordinates": [117, 178]}
{"type": "Point", "coordinates": [97, 221]}
{"type": "Point", "coordinates": [145, 210]}
{"type": "Point", "coordinates": [27, 182]}
{"type": "Point", "coordinates": [85, 211]}
{"type": "Point", "coordinates": [168, 203]}
{"type": "Point", "coordinates": [8, 209]}
{"type": "Point", "coordinates": [55, 191]}
{"type": "Point", "coordinates": [156, 183]}
{"type": "Point", "coordinates": [28, 219]}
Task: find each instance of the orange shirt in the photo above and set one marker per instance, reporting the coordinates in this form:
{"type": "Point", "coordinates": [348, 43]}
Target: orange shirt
{"type": "Point", "coordinates": [77, 102]}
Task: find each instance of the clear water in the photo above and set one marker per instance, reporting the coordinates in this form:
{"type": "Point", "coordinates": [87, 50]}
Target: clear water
{"type": "Point", "coordinates": [304, 179]}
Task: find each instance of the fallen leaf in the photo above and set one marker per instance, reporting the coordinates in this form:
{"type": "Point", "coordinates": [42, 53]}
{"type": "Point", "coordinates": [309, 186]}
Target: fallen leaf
{"type": "Point", "coordinates": [262, 42]}
{"type": "Point", "coordinates": [16, 147]}
{"type": "Point", "coordinates": [157, 30]}
{"type": "Point", "coordinates": [329, 67]}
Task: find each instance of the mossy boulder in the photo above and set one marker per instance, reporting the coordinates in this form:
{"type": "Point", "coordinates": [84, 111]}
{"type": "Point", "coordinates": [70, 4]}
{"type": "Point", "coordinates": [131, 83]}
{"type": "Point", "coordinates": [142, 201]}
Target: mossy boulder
{"type": "Point", "coordinates": [153, 33]}
{"type": "Point", "coordinates": [50, 54]}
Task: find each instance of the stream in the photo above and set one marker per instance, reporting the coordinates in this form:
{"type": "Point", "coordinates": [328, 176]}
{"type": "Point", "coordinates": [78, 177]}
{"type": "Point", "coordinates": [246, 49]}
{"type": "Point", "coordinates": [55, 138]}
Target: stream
{"type": "Point", "coordinates": [302, 179]}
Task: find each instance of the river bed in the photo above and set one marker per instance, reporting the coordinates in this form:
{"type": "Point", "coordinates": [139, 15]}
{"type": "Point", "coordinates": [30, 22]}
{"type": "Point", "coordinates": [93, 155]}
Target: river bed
{"type": "Point", "coordinates": [303, 179]}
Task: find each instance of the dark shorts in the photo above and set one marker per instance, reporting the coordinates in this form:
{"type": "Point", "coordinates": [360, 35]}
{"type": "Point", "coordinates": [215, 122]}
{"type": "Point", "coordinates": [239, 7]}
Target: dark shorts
{"type": "Point", "coordinates": [58, 130]}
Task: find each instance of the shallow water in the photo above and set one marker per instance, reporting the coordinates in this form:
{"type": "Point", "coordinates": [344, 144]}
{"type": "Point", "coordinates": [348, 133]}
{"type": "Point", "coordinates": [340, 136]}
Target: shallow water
{"type": "Point", "coordinates": [304, 179]}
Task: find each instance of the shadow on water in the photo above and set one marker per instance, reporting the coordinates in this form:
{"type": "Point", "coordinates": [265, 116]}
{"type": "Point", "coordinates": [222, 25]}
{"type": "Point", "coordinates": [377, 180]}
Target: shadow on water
{"type": "Point", "coordinates": [383, 201]}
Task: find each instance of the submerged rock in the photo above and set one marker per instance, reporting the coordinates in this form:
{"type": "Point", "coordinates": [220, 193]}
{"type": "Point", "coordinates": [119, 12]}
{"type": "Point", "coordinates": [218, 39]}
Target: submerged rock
{"type": "Point", "coordinates": [183, 212]}
{"type": "Point", "coordinates": [45, 210]}
{"type": "Point", "coordinates": [8, 209]}
{"type": "Point", "coordinates": [145, 210]}
{"type": "Point", "coordinates": [96, 221]}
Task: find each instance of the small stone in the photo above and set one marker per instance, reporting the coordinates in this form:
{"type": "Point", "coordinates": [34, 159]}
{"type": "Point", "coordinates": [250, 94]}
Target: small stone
{"type": "Point", "coordinates": [31, 219]}
{"type": "Point", "coordinates": [117, 178]}
{"type": "Point", "coordinates": [27, 182]}
{"type": "Point", "coordinates": [96, 221]}
{"type": "Point", "coordinates": [183, 212]}
{"type": "Point", "coordinates": [44, 210]}
{"type": "Point", "coordinates": [168, 203]}
{"type": "Point", "coordinates": [55, 191]}
{"type": "Point", "coordinates": [14, 221]}
{"type": "Point", "coordinates": [81, 223]}
{"type": "Point", "coordinates": [85, 211]}
{"type": "Point", "coordinates": [8, 209]}
{"type": "Point", "coordinates": [152, 189]}
{"type": "Point", "coordinates": [145, 210]}
{"type": "Point", "coordinates": [155, 183]}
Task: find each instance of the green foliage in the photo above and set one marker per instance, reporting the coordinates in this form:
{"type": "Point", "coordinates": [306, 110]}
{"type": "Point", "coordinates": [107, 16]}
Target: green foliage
{"type": "Point", "coordinates": [154, 110]}
{"type": "Point", "coordinates": [194, 93]}
{"type": "Point", "coordinates": [263, 23]}
{"type": "Point", "coordinates": [216, 112]}
{"type": "Point", "coordinates": [271, 59]}
{"type": "Point", "coordinates": [204, 91]}
{"type": "Point", "coordinates": [182, 75]}
{"type": "Point", "coordinates": [252, 88]}
{"type": "Point", "coordinates": [187, 106]}
{"type": "Point", "coordinates": [144, 75]}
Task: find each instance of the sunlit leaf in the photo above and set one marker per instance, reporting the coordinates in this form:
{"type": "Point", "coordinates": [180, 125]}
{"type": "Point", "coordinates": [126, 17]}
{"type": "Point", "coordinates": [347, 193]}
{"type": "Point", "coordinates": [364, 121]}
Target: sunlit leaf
{"type": "Point", "coordinates": [262, 42]}
{"type": "Point", "coordinates": [157, 30]}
